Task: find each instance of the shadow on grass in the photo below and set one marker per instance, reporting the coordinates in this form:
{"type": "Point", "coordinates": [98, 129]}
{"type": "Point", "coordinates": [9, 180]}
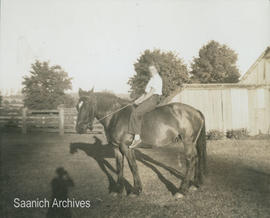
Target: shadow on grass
{"type": "Point", "coordinates": [99, 152]}
{"type": "Point", "coordinates": [151, 163]}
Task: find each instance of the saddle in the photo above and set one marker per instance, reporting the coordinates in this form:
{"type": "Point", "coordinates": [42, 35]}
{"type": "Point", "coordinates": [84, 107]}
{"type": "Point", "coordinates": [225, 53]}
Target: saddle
{"type": "Point", "coordinates": [168, 99]}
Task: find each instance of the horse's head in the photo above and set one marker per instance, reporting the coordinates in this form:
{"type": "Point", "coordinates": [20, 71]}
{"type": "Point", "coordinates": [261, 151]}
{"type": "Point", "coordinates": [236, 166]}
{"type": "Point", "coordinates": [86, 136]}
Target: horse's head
{"type": "Point", "coordinates": [86, 108]}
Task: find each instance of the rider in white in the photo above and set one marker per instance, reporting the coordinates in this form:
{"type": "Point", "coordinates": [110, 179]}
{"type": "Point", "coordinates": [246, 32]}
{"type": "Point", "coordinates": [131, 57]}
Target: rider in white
{"type": "Point", "coordinates": [147, 102]}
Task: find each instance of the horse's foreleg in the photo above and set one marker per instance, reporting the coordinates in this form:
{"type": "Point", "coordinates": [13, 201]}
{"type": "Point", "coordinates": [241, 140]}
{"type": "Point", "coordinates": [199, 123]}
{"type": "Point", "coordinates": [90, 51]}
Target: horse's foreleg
{"type": "Point", "coordinates": [129, 153]}
{"type": "Point", "coordinates": [119, 169]}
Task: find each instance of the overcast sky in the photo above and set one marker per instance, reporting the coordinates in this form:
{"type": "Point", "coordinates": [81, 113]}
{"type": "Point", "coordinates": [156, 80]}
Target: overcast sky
{"type": "Point", "coordinates": [97, 41]}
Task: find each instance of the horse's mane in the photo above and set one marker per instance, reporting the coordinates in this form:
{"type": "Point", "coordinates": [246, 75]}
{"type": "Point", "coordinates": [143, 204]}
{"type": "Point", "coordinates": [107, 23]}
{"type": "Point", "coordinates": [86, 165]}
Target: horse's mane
{"type": "Point", "coordinates": [108, 101]}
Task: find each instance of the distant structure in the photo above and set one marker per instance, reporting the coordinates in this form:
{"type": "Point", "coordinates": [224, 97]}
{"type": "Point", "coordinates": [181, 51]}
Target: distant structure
{"type": "Point", "coordinates": [259, 72]}
{"type": "Point", "coordinates": [243, 105]}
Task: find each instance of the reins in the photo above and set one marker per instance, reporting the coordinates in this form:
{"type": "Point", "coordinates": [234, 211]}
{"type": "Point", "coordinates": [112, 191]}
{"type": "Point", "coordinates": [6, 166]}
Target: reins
{"type": "Point", "coordinates": [114, 112]}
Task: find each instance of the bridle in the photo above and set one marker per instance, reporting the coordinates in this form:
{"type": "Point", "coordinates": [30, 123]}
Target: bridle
{"type": "Point", "coordinates": [83, 99]}
{"type": "Point", "coordinates": [115, 112]}
{"type": "Point", "coordinates": [110, 114]}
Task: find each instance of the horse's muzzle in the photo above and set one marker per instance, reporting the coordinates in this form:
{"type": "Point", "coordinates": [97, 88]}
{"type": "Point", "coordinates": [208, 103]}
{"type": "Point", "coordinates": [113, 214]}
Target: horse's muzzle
{"type": "Point", "coordinates": [80, 129]}
{"type": "Point", "coordinates": [90, 126]}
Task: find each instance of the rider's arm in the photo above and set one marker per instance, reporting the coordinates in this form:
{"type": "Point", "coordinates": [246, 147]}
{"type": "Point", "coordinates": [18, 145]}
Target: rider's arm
{"type": "Point", "coordinates": [145, 96]}
{"type": "Point", "coordinates": [154, 86]}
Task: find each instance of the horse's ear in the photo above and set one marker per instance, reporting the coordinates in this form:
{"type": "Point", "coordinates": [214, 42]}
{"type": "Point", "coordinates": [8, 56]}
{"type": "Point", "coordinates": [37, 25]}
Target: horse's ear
{"type": "Point", "coordinates": [92, 90]}
{"type": "Point", "coordinates": [80, 92]}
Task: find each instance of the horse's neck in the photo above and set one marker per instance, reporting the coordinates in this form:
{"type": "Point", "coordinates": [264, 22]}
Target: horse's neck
{"type": "Point", "coordinates": [105, 121]}
{"type": "Point", "coordinates": [106, 106]}
{"type": "Point", "coordinates": [104, 115]}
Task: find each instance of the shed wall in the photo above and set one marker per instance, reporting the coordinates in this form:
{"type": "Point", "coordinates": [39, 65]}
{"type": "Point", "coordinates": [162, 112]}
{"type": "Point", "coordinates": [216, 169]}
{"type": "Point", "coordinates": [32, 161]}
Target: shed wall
{"type": "Point", "coordinates": [228, 108]}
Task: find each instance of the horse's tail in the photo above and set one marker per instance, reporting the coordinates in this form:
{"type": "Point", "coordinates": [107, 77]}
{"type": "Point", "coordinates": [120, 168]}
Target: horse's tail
{"type": "Point", "coordinates": [202, 153]}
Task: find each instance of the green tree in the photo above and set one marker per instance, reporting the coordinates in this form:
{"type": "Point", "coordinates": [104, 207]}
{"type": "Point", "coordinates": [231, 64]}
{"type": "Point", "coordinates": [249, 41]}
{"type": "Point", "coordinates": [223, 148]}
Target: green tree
{"type": "Point", "coordinates": [216, 64]}
{"type": "Point", "coordinates": [45, 87]}
{"type": "Point", "coordinates": [69, 101]}
{"type": "Point", "coordinates": [170, 67]}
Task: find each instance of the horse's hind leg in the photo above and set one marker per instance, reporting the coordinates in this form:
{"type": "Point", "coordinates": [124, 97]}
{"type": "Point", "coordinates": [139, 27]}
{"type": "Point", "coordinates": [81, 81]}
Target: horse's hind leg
{"type": "Point", "coordinates": [119, 169]}
{"type": "Point", "coordinates": [191, 159]}
{"type": "Point", "coordinates": [129, 153]}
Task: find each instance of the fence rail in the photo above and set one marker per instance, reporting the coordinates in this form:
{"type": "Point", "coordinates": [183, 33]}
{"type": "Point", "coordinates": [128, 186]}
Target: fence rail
{"type": "Point", "coordinates": [62, 120]}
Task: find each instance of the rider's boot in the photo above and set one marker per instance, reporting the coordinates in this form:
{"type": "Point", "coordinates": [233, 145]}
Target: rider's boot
{"type": "Point", "coordinates": [137, 140]}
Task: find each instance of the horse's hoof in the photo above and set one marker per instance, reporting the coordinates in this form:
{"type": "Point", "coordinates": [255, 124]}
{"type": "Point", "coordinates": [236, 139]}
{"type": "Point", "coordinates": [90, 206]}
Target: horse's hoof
{"type": "Point", "coordinates": [139, 190]}
{"type": "Point", "coordinates": [114, 194]}
{"type": "Point", "coordinates": [133, 195]}
{"type": "Point", "coordinates": [193, 188]}
{"type": "Point", "coordinates": [178, 196]}
{"type": "Point", "coordinates": [117, 194]}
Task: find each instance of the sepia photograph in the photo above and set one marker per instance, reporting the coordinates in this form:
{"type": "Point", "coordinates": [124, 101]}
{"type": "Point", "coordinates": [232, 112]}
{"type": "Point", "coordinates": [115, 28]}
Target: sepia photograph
{"type": "Point", "coordinates": [134, 108]}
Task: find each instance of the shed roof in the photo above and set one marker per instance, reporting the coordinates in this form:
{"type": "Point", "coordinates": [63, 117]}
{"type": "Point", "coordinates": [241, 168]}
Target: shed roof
{"type": "Point", "coordinates": [255, 64]}
{"type": "Point", "coordinates": [222, 86]}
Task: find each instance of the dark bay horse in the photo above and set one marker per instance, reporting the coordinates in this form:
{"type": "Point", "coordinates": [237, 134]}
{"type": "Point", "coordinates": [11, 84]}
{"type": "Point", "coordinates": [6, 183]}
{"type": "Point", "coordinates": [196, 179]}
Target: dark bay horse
{"type": "Point", "coordinates": [167, 124]}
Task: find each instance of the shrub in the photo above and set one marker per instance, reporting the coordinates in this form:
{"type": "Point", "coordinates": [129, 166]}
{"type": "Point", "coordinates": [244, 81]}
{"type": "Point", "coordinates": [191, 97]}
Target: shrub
{"type": "Point", "coordinates": [68, 100]}
{"type": "Point", "coordinates": [237, 133]}
{"type": "Point", "coordinates": [214, 135]}
{"type": "Point", "coordinates": [261, 136]}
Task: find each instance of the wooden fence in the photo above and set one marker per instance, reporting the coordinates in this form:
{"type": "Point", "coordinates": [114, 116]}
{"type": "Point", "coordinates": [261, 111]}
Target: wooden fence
{"type": "Point", "coordinates": [62, 120]}
{"type": "Point", "coordinates": [10, 117]}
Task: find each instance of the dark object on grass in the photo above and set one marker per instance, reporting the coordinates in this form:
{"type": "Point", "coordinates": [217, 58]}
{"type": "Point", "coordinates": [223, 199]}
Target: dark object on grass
{"type": "Point", "coordinates": [60, 185]}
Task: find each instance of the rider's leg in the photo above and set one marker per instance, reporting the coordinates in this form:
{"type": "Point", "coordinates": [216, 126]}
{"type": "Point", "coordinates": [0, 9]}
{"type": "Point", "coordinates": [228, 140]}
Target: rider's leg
{"type": "Point", "coordinates": [136, 116]}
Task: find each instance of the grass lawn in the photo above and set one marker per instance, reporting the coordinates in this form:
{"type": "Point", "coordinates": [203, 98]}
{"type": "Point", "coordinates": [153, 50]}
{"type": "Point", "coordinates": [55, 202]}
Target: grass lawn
{"type": "Point", "coordinates": [238, 183]}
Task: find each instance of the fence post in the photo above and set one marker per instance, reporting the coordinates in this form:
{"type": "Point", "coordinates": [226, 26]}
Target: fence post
{"type": "Point", "coordinates": [61, 119]}
{"type": "Point", "coordinates": [24, 120]}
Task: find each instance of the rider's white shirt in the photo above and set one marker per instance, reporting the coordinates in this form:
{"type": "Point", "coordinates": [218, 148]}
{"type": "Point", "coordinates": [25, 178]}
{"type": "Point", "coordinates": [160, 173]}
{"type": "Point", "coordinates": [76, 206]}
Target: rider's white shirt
{"type": "Point", "coordinates": [156, 83]}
